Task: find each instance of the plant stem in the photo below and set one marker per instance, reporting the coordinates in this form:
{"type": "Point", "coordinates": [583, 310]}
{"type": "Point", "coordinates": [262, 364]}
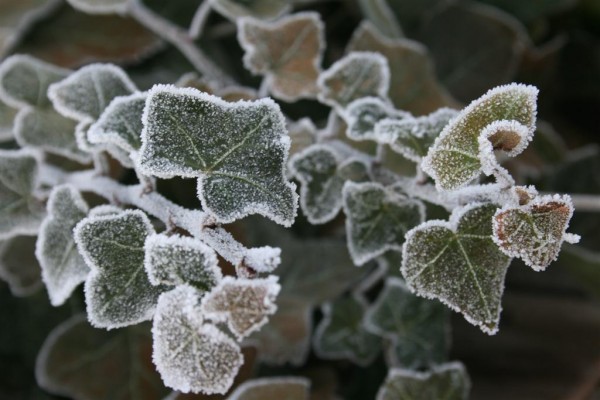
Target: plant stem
{"type": "Point", "coordinates": [586, 202]}
{"type": "Point", "coordinates": [199, 20]}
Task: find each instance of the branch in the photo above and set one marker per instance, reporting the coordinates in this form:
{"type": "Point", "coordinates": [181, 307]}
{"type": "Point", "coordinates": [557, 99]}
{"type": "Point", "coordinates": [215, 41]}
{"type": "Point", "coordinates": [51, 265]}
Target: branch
{"type": "Point", "coordinates": [586, 202]}
{"type": "Point", "coordinates": [199, 20]}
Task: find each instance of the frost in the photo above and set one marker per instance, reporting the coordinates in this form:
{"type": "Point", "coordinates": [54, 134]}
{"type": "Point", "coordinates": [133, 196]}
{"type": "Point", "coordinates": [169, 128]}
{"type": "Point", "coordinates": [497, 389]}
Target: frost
{"type": "Point", "coordinates": [287, 52]}
{"type": "Point", "coordinates": [280, 388]}
{"type": "Point", "coordinates": [244, 304]}
{"type": "Point", "coordinates": [120, 123]}
{"type": "Point", "coordinates": [117, 290]}
{"type": "Point", "coordinates": [63, 268]}
{"type": "Point", "coordinates": [342, 335]}
{"type": "Point", "coordinates": [303, 133]}
{"type": "Point", "coordinates": [177, 260]}
{"type": "Point", "coordinates": [509, 136]}
{"type": "Point", "coordinates": [418, 328]}
{"type": "Point", "coordinates": [262, 259]}
{"type": "Point", "coordinates": [262, 9]}
{"type": "Point", "coordinates": [412, 137]}
{"type": "Point", "coordinates": [363, 114]}
{"type": "Point", "coordinates": [534, 231]}
{"type": "Point", "coordinates": [458, 263]}
{"type": "Point", "coordinates": [20, 211]}
{"type": "Point", "coordinates": [446, 381]}
{"type": "Point", "coordinates": [377, 219]}
{"type": "Point", "coordinates": [237, 150]}
{"type": "Point", "coordinates": [100, 6]}
{"type": "Point", "coordinates": [359, 74]}
{"type": "Point", "coordinates": [7, 117]}
{"type": "Point", "coordinates": [103, 210]}
{"type": "Point", "coordinates": [455, 157]}
{"type": "Point", "coordinates": [322, 172]}
{"type": "Point", "coordinates": [87, 92]}
{"type": "Point", "coordinates": [18, 266]}
{"type": "Point", "coordinates": [81, 137]}
{"type": "Point", "coordinates": [24, 81]}
{"type": "Point", "coordinates": [190, 355]}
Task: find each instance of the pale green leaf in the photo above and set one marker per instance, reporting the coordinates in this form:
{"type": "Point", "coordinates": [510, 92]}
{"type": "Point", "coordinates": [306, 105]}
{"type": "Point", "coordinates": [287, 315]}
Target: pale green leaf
{"type": "Point", "coordinates": [261, 9]}
{"type": "Point", "coordinates": [19, 267]}
{"type": "Point", "coordinates": [100, 6]}
{"type": "Point", "coordinates": [363, 114]}
{"type": "Point", "coordinates": [280, 388]}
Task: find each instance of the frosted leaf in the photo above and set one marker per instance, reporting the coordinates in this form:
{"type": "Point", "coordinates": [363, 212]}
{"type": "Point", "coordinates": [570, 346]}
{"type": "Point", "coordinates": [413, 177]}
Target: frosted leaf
{"type": "Point", "coordinates": [287, 52]}
{"type": "Point", "coordinates": [458, 263]}
{"type": "Point", "coordinates": [20, 212]}
{"type": "Point", "coordinates": [176, 260]}
{"type": "Point", "coordinates": [120, 123]}
{"type": "Point", "coordinates": [535, 231]}
{"type": "Point", "coordinates": [190, 355]}
{"type": "Point", "coordinates": [24, 81]}
{"type": "Point", "coordinates": [117, 290]}
{"type": "Point", "coordinates": [81, 137]}
{"type": "Point", "coordinates": [363, 114]}
{"type": "Point", "coordinates": [100, 6]}
{"type": "Point", "coordinates": [303, 133]}
{"type": "Point", "coordinates": [7, 117]}
{"type": "Point", "coordinates": [359, 74]}
{"type": "Point", "coordinates": [261, 9]}
{"type": "Point", "coordinates": [104, 209]}
{"type": "Point", "coordinates": [509, 136]}
{"type": "Point", "coordinates": [87, 92]}
{"type": "Point", "coordinates": [63, 268]}
{"type": "Point", "coordinates": [45, 129]}
{"type": "Point", "coordinates": [418, 328]}
{"type": "Point", "coordinates": [455, 159]}
{"type": "Point", "coordinates": [262, 259]}
{"type": "Point", "coordinates": [412, 137]}
{"type": "Point", "coordinates": [322, 172]}
{"type": "Point", "coordinates": [377, 219]}
{"type": "Point", "coordinates": [342, 335]}
{"type": "Point", "coordinates": [280, 388]}
{"type": "Point", "coordinates": [237, 150]}
{"type": "Point", "coordinates": [446, 381]}
{"type": "Point", "coordinates": [245, 304]}
{"type": "Point", "coordinates": [18, 265]}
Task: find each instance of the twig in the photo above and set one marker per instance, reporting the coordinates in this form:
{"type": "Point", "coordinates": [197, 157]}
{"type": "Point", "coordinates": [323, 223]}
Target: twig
{"type": "Point", "coordinates": [586, 202]}
{"type": "Point", "coordinates": [199, 20]}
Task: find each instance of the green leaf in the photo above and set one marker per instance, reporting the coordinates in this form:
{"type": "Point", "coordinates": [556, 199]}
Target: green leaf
{"type": "Point", "coordinates": [359, 74]}
{"type": "Point", "coordinates": [7, 117]}
{"type": "Point", "coordinates": [379, 13]}
{"type": "Point", "coordinates": [287, 52]}
{"type": "Point", "coordinates": [413, 84]}
{"type": "Point", "coordinates": [377, 219]}
{"type": "Point", "coordinates": [261, 9]}
{"type": "Point", "coordinates": [100, 6]}
{"type": "Point", "coordinates": [363, 114]}
{"type": "Point", "coordinates": [81, 362]}
{"type": "Point", "coordinates": [237, 150]}
{"type": "Point", "coordinates": [18, 265]}
{"type": "Point", "coordinates": [24, 81]}
{"type": "Point", "coordinates": [63, 268]}
{"type": "Point", "coordinates": [447, 381]}
{"type": "Point", "coordinates": [500, 118]}
{"type": "Point", "coordinates": [190, 355]}
{"type": "Point", "coordinates": [342, 335]}
{"type": "Point", "coordinates": [418, 328]}
{"type": "Point", "coordinates": [20, 212]}
{"type": "Point", "coordinates": [322, 171]}
{"type": "Point", "coordinates": [117, 290]}
{"type": "Point", "coordinates": [535, 231]}
{"type": "Point", "coordinates": [281, 388]}
{"type": "Point", "coordinates": [458, 263]}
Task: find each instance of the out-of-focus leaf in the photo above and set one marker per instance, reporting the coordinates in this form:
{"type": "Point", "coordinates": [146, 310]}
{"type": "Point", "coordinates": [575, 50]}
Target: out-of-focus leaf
{"type": "Point", "coordinates": [412, 13]}
{"type": "Point", "coordinates": [7, 117]}
{"type": "Point", "coordinates": [261, 9]}
{"type": "Point", "coordinates": [379, 13]}
{"type": "Point", "coordinates": [18, 265]}
{"type": "Point", "coordinates": [362, 115]}
{"type": "Point", "coordinates": [528, 11]}
{"type": "Point", "coordinates": [302, 132]}
{"type": "Point", "coordinates": [100, 6]}
{"type": "Point", "coordinates": [280, 388]}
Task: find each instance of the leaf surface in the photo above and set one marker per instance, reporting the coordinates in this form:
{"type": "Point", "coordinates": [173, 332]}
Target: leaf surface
{"type": "Point", "coordinates": [363, 114]}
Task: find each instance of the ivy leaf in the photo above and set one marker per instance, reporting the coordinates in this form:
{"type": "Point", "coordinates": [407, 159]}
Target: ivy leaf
{"type": "Point", "coordinates": [322, 171]}
{"type": "Point", "coordinates": [7, 117]}
{"type": "Point", "coordinates": [287, 52]}
{"type": "Point", "coordinates": [238, 151]}
{"type": "Point", "coordinates": [458, 263]}
{"type": "Point", "coordinates": [447, 381]}
{"type": "Point", "coordinates": [282, 388]}
{"type": "Point", "coordinates": [83, 142]}
{"type": "Point", "coordinates": [418, 328]}
{"type": "Point", "coordinates": [81, 362]}
{"type": "Point", "coordinates": [244, 304]}
{"type": "Point", "coordinates": [121, 123]}
{"type": "Point", "coordinates": [535, 231]}
{"type": "Point", "coordinates": [303, 133]}
{"type": "Point", "coordinates": [359, 74]}
{"type": "Point", "coordinates": [177, 260]}
{"type": "Point", "coordinates": [100, 6]}
{"type": "Point", "coordinates": [63, 268]}
{"type": "Point", "coordinates": [363, 114]}
{"type": "Point", "coordinates": [377, 219]}
{"type": "Point", "coordinates": [87, 92]}
{"type": "Point", "coordinates": [20, 212]}
{"type": "Point", "coordinates": [190, 355]}
{"type": "Point", "coordinates": [261, 9]}
{"type": "Point", "coordinates": [412, 137]}
{"type": "Point", "coordinates": [117, 290]}
{"type": "Point", "coordinates": [455, 157]}
{"type": "Point", "coordinates": [18, 266]}
{"type": "Point", "coordinates": [342, 335]}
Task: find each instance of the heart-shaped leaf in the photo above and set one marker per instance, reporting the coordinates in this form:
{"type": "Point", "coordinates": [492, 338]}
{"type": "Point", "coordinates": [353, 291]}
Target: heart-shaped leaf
{"type": "Point", "coordinates": [282, 388]}
{"type": "Point", "coordinates": [100, 6]}
{"type": "Point", "coordinates": [19, 267]}
{"type": "Point", "coordinates": [63, 268]}
{"type": "Point", "coordinates": [237, 150]}
{"type": "Point", "coordinates": [363, 114]}
{"type": "Point", "coordinates": [261, 9]}
{"type": "Point", "coordinates": [377, 219]}
{"type": "Point", "coordinates": [458, 263]}
{"type": "Point", "coordinates": [287, 52]}
{"type": "Point", "coordinates": [190, 355]}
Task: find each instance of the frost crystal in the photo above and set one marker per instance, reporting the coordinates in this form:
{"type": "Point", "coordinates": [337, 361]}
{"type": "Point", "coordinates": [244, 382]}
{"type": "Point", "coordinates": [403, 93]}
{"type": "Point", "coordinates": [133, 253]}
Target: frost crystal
{"type": "Point", "coordinates": [280, 388]}
{"type": "Point", "coordinates": [244, 304]}
{"type": "Point", "coordinates": [63, 268]}
{"type": "Point", "coordinates": [190, 355]}
{"type": "Point", "coordinates": [237, 150]}
{"type": "Point", "coordinates": [363, 114]}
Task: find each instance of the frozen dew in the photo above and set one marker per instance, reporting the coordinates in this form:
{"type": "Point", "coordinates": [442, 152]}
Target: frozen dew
{"type": "Point", "coordinates": [363, 114]}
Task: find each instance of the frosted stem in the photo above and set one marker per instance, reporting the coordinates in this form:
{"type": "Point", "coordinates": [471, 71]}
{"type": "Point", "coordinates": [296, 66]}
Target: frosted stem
{"type": "Point", "coordinates": [263, 90]}
{"type": "Point", "coordinates": [199, 20]}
